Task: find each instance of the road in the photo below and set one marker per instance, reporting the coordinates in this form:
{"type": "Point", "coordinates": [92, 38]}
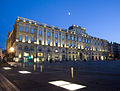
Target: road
{"type": "Point", "coordinates": [96, 76]}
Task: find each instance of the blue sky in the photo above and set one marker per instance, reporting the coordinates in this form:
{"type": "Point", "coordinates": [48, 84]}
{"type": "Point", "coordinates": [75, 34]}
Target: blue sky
{"type": "Point", "coordinates": [101, 18]}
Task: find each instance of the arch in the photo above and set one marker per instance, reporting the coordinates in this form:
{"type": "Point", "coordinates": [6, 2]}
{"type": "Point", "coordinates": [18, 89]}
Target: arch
{"type": "Point", "coordinates": [31, 48]}
{"type": "Point", "coordinates": [26, 48]}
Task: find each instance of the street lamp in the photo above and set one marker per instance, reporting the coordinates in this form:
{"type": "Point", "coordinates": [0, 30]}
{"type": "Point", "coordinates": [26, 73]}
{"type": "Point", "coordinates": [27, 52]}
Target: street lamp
{"type": "Point", "coordinates": [12, 50]}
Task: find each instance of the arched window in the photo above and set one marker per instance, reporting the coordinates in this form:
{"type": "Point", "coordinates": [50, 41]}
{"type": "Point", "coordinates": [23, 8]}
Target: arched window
{"type": "Point", "coordinates": [26, 48]}
{"type": "Point", "coordinates": [40, 49]}
{"type": "Point", "coordinates": [32, 48]}
{"type": "Point", "coordinates": [48, 50]}
{"type": "Point", "coordinates": [20, 48]}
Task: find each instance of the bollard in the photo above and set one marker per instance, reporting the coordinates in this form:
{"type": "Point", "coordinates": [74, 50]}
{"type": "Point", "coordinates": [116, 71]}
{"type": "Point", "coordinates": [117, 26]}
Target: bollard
{"type": "Point", "coordinates": [41, 67]}
{"type": "Point", "coordinates": [72, 73]}
{"type": "Point", "coordinates": [34, 67]}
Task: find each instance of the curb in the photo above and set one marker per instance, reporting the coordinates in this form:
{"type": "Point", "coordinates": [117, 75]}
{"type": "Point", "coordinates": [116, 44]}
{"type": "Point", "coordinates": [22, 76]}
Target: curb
{"type": "Point", "coordinates": [7, 84]}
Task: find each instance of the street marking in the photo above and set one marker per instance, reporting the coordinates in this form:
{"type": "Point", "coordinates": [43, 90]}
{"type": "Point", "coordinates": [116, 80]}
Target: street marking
{"type": "Point", "coordinates": [7, 68]}
{"type": "Point", "coordinates": [67, 85]}
{"type": "Point", "coordinates": [24, 72]}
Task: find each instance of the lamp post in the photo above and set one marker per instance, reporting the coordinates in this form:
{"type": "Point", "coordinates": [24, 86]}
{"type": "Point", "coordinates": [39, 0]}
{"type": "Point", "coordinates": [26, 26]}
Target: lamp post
{"type": "Point", "coordinates": [12, 50]}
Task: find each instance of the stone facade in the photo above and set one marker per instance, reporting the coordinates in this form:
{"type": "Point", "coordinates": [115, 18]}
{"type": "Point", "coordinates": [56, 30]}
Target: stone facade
{"type": "Point", "coordinates": [41, 42]}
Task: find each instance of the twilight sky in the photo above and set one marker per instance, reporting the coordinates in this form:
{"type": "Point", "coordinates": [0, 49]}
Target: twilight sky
{"type": "Point", "coordinates": [101, 18]}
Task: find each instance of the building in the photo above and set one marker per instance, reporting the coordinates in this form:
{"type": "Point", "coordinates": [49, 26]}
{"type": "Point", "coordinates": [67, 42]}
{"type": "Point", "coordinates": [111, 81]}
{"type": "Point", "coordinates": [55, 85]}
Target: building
{"type": "Point", "coordinates": [37, 41]}
{"type": "Point", "coordinates": [116, 50]}
{"type": "Point", "coordinates": [1, 54]}
{"type": "Point", "coordinates": [111, 53]}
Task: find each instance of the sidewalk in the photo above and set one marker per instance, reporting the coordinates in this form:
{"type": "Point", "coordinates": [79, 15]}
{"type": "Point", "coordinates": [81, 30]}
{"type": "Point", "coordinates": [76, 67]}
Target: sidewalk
{"type": "Point", "coordinates": [6, 85]}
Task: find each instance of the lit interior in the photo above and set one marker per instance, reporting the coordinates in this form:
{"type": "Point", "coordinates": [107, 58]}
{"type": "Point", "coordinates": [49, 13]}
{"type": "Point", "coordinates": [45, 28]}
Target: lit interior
{"type": "Point", "coordinates": [24, 72]}
{"type": "Point", "coordinates": [67, 85]}
{"type": "Point", "coordinates": [6, 68]}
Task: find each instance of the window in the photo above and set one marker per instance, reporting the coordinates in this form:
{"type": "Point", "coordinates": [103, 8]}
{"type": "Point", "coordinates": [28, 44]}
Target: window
{"type": "Point", "coordinates": [48, 42]}
{"type": "Point", "coordinates": [40, 49]}
{"type": "Point", "coordinates": [75, 29]}
{"type": "Point", "coordinates": [76, 38]}
{"type": "Point", "coordinates": [32, 30]}
{"type": "Point", "coordinates": [79, 31]}
{"type": "Point", "coordinates": [75, 45]}
{"type": "Point", "coordinates": [39, 40]}
{"type": "Point", "coordinates": [56, 35]}
{"type": "Point", "coordinates": [20, 37]}
{"type": "Point", "coordinates": [40, 32]}
{"type": "Point", "coordinates": [72, 45]}
{"type": "Point", "coordinates": [26, 48]}
{"type": "Point", "coordinates": [56, 50]}
{"type": "Point", "coordinates": [26, 29]}
{"type": "Point", "coordinates": [63, 44]}
{"type": "Point", "coordinates": [79, 39]}
{"type": "Point", "coordinates": [26, 38]}
{"type": "Point", "coordinates": [48, 34]}
{"type": "Point", "coordinates": [72, 38]}
{"type": "Point", "coordinates": [20, 28]}
{"type": "Point", "coordinates": [68, 37]}
{"type": "Point", "coordinates": [31, 48]}
{"type": "Point", "coordinates": [83, 40]}
{"type": "Point", "coordinates": [56, 43]}
{"type": "Point", "coordinates": [63, 36]}
{"type": "Point", "coordinates": [31, 38]}
{"type": "Point", "coordinates": [69, 44]}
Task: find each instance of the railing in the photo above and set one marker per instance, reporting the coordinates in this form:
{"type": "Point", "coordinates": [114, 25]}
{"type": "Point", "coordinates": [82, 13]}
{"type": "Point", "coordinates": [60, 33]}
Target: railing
{"type": "Point", "coordinates": [40, 24]}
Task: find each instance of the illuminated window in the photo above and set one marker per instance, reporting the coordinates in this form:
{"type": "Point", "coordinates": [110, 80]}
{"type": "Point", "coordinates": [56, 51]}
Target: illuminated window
{"type": "Point", "coordinates": [40, 54]}
{"type": "Point", "coordinates": [56, 50]}
{"type": "Point", "coordinates": [26, 54]}
{"type": "Point", "coordinates": [48, 34]}
{"type": "Point", "coordinates": [20, 37]}
{"type": "Point", "coordinates": [26, 29]}
{"type": "Point", "coordinates": [40, 32]}
{"type": "Point", "coordinates": [20, 28]}
{"type": "Point", "coordinates": [20, 55]}
{"type": "Point", "coordinates": [31, 38]}
{"type": "Point", "coordinates": [32, 30]}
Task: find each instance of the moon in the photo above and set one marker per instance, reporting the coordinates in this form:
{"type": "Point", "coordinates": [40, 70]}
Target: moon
{"type": "Point", "coordinates": [69, 13]}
